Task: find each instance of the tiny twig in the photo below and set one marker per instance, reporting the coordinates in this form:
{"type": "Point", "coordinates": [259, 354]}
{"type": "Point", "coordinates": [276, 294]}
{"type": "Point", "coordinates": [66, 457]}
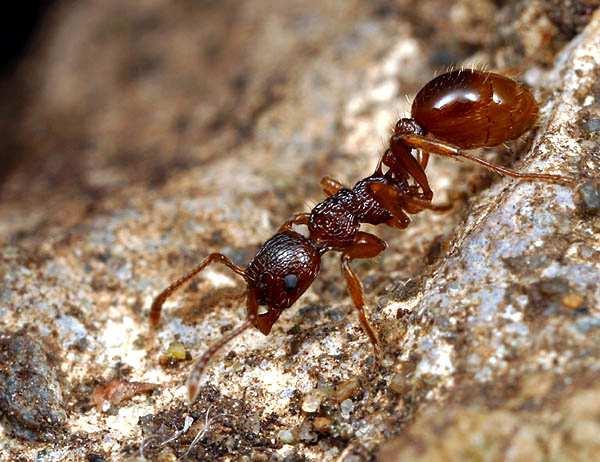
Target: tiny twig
{"type": "Point", "coordinates": [201, 433]}
{"type": "Point", "coordinates": [189, 420]}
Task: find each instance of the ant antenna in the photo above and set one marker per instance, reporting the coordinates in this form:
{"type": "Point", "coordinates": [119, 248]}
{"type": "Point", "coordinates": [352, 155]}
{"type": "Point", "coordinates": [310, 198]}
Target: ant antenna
{"type": "Point", "coordinates": [193, 382]}
{"type": "Point", "coordinates": [155, 310]}
{"type": "Point", "coordinates": [212, 258]}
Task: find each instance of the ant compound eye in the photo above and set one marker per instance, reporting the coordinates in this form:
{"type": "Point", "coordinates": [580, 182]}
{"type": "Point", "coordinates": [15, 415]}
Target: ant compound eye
{"type": "Point", "coordinates": [290, 282]}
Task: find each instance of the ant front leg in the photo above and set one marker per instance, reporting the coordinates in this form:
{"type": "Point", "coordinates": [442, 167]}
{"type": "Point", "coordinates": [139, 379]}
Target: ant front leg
{"type": "Point", "coordinates": [449, 150]}
{"type": "Point", "coordinates": [160, 298]}
{"type": "Point", "coordinates": [193, 381]}
{"type": "Point", "coordinates": [365, 245]}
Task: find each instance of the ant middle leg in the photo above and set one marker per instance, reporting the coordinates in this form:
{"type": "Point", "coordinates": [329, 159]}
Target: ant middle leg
{"type": "Point", "coordinates": [157, 304]}
{"type": "Point", "coordinates": [391, 199]}
{"type": "Point", "coordinates": [330, 186]}
{"type": "Point", "coordinates": [297, 219]}
{"type": "Point", "coordinates": [449, 150]}
{"type": "Point", "coordinates": [365, 246]}
{"type": "Point", "coordinates": [415, 205]}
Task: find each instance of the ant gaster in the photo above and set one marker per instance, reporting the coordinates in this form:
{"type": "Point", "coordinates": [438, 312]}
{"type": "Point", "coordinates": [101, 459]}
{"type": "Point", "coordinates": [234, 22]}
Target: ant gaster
{"type": "Point", "coordinates": [454, 112]}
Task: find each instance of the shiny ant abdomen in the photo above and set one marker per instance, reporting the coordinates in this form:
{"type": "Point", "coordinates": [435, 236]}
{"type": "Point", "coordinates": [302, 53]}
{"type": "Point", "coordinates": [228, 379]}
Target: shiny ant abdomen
{"type": "Point", "coordinates": [472, 109]}
{"type": "Point", "coordinates": [456, 111]}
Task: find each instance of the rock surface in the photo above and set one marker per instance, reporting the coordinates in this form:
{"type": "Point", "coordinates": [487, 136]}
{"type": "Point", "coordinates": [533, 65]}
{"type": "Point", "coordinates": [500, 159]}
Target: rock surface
{"type": "Point", "coordinates": [31, 397]}
{"type": "Point", "coordinates": [152, 133]}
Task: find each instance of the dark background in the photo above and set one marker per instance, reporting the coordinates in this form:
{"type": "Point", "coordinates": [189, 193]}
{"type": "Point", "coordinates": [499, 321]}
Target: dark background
{"type": "Point", "coordinates": [17, 29]}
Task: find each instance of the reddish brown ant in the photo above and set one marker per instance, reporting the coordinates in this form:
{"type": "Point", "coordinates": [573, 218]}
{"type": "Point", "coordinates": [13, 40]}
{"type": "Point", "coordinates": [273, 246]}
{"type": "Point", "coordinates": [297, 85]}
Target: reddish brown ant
{"type": "Point", "coordinates": [458, 110]}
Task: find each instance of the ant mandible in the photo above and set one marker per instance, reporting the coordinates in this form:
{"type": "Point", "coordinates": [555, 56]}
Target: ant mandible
{"type": "Point", "coordinates": [457, 111]}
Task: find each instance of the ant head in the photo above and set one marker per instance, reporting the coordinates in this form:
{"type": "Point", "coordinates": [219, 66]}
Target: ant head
{"type": "Point", "coordinates": [282, 270]}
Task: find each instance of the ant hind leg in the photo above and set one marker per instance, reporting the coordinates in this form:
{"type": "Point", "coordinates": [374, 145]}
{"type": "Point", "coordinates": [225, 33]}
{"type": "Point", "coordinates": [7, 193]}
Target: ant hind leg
{"type": "Point", "coordinates": [449, 150]}
{"type": "Point", "coordinates": [416, 205]}
{"type": "Point", "coordinates": [423, 159]}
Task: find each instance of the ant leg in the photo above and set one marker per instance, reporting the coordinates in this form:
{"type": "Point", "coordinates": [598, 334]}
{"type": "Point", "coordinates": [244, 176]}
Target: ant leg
{"type": "Point", "coordinates": [424, 160]}
{"type": "Point", "coordinates": [390, 199]}
{"type": "Point", "coordinates": [297, 219]}
{"type": "Point", "coordinates": [399, 204]}
{"type": "Point", "coordinates": [449, 150]}
{"type": "Point", "coordinates": [365, 245]}
{"type": "Point", "coordinates": [416, 204]}
{"type": "Point", "coordinates": [160, 298]}
{"type": "Point", "coordinates": [399, 158]}
{"type": "Point", "coordinates": [330, 186]}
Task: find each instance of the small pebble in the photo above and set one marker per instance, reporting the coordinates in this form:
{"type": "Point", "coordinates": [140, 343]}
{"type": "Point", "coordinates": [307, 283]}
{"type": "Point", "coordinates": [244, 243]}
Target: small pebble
{"type": "Point", "coordinates": [286, 436]}
{"type": "Point", "coordinates": [166, 455]}
{"type": "Point", "coordinates": [312, 401]}
{"type": "Point", "coordinates": [95, 458]}
{"type": "Point", "coordinates": [257, 456]}
{"type": "Point", "coordinates": [572, 301]}
{"type": "Point", "coordinates": [346, 407]}
{"type": "Point", "coordinates": [398, 383]}
{"type": "Point", "coordinates": [176, 352]}
{"type": "Point", "coordinates": [592, 125]}
{"type": "Point", "coordinates": [352, 458]}
{"type": "Point", "coordinates": [31, 399]}
{"type": "Point", "coordinates": [306, 434]}
{"type": "Point", "coordinates": [347, 389]}
{"type": "Point", "coordinates": [322, 424]}
{"type": "Point", "coordinates": [587, 324]}
{"type": "Point", "coordinates": [588, 198]}
{"type": "Point", "coordinates": [554, 286]}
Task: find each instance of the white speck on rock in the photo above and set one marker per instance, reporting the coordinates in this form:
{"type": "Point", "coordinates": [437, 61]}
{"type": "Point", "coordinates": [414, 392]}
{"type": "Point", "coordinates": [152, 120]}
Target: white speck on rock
{"type": "Point", "coordinates": [312, 401]}
{"type": "Point", "coordinates": [285, 436]}
{"type": "Point", "coordinates": [437, 356]}
{"type": "Point", "coordinates": [346, 408]}
{"type": "Point", "coordinates": [70, 330]}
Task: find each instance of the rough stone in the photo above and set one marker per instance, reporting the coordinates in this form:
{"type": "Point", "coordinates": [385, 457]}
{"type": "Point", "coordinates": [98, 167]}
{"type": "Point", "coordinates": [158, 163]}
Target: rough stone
{"type": "Point", "coordinates": [31, 399]}
{"type": "Point", "coordinates": [153, 133]}
{"type": "Point", "coordinates": [589, 198]}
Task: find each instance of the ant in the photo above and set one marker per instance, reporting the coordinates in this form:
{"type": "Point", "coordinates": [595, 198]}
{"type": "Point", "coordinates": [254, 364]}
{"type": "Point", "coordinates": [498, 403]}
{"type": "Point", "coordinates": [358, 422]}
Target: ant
{"type": "Point", "coordinates": [454, 112]}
